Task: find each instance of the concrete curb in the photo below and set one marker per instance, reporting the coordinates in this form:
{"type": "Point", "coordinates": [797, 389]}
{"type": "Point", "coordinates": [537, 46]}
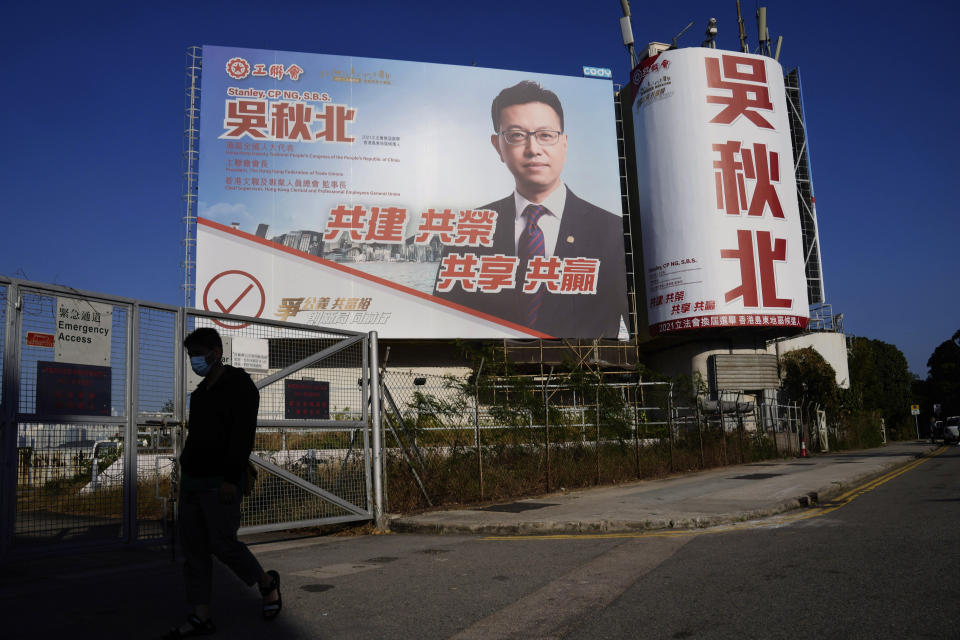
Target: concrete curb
{"type": "Point", "coordinates": [401, 524]}
{"type": "Point", "coordinates": [840, 488]}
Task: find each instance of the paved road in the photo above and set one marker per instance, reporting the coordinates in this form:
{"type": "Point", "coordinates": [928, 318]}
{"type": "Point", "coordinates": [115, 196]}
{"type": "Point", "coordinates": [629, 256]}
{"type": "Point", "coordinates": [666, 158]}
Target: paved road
{"type": "Point", "coordinates": [886, 565]}
{"type": "Point", "coordinates": [877, 563]}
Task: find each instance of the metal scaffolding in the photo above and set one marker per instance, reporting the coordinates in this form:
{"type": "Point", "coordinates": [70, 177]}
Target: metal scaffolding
{"type": "Point", "coordinates": [808, 208]}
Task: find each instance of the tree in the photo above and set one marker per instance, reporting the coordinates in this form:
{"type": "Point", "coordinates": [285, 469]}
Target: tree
{"type": "Point", "coordinates": [880, 380]}
{"type": "Point", "coordinates": [943, 383]}
{"type": "Point", "coordinates": [809, 379]}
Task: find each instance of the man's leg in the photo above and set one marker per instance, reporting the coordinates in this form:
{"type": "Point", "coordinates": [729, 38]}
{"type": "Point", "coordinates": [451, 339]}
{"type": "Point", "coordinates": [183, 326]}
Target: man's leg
{"type": "Point", "coordinates": [222, 521]}
{"type": "Point", "coordinates": [197, 561]}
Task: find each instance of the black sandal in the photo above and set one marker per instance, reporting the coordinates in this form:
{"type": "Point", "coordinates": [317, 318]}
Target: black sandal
{"type": "Point", "coordinates": [272, 609]}
{"type": "Point", "coordinates": [198, 628]}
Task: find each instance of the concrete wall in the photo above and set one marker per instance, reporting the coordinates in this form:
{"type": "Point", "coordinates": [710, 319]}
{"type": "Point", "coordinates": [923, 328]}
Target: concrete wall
{"type": "Point", "coordinates": [832, 346]}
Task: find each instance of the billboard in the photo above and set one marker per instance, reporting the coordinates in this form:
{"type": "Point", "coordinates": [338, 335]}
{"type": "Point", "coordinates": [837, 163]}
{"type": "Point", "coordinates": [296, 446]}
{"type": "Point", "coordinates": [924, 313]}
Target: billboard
{"type": "Point", "coordinates": [367, 194]}
{"type": "Point", "coordinates": [717, 197]}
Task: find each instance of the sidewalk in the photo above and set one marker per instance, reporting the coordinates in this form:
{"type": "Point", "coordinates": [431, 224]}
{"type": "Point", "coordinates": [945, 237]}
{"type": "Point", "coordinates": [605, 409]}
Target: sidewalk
{"type": "Point", "coordinates": [701, 499]}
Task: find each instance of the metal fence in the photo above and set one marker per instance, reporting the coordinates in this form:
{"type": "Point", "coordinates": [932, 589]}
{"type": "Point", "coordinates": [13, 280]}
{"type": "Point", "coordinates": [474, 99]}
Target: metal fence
{"type": "Point", "coordinates": [449, 440]}
{"type": "Point", "coordinates": [460, 438]}
{"type": "Point", "coordinates": [74, 476]}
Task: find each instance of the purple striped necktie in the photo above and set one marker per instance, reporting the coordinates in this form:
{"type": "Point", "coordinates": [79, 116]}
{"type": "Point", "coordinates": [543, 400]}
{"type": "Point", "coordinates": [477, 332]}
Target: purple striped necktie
{"type": "Point", "coordinates": [531, 244]}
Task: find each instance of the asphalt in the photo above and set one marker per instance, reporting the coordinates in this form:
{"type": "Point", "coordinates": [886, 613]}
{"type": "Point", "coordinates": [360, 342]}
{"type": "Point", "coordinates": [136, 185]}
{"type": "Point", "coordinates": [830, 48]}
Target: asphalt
{"type": "Point", "coordinates": [694, 500]}
{"type": "Point", "coordinates": [128, 592]}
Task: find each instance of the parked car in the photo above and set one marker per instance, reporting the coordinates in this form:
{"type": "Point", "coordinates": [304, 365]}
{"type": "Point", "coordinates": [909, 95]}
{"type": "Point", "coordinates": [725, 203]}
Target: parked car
{"type": "Point", "coordinates": [951, 430]}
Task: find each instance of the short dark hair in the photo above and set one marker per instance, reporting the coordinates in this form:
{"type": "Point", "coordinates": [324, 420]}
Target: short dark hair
{"type": "Point", "coordinates": [524, 92]}
{"type": "Point", "coordinates": [204, 337]}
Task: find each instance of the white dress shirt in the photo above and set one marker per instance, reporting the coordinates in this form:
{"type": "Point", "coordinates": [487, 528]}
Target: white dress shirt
{"type": "Point", "coordinates": [549, 222]}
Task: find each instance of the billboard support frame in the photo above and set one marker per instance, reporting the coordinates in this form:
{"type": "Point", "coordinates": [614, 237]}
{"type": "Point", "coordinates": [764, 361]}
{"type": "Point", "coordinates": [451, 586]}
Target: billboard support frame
{"type": "Point", "coordinates": [191, 156]}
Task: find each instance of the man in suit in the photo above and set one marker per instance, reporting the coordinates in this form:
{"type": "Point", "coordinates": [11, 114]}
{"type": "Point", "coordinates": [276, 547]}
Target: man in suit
{"type": "Point", "coordinates": [542, 220]}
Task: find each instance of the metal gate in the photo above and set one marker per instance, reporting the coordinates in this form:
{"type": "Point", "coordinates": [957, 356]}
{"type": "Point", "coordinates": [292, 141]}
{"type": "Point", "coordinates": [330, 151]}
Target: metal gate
{"type": "Point", "coordinates": [88, 451]}
{"type": "Point", "coordinates": [314, 462]}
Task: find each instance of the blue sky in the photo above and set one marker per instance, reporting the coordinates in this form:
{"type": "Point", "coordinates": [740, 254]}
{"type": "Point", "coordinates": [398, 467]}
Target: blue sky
{"type": "Point", "coordinates": [93, 106]}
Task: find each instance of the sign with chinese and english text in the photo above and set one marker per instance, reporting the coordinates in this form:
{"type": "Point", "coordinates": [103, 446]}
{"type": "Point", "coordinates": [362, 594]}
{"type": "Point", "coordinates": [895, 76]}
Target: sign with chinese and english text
{"type": "Point", "coordinates": [84, 332]}
{"type": "Point", "coordinates": [365, 194]}
{"type": "Point", "coordinates": [717, 196]}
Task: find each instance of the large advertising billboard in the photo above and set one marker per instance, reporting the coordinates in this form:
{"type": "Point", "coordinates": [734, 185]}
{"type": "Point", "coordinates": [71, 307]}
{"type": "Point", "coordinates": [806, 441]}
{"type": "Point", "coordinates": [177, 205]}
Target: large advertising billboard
{"type": "Point", "coordinates": [417, 200]}
{"type": "Point", "coordinates": [717, 197]}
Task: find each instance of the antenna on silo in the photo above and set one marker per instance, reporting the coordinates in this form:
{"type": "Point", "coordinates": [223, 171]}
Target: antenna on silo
{"type": "Point", "coordinates": [673, 43]}
{"type": "Point", "coordinates": [762, 31]}
{"type": "Point", "coordinates": [626, 30]}
{"type": "Point", "coordinates": [743, 32]}
{"type": "Point", "coordinates": [711, 41]}
{"type": "Point", "coordinates": [776, 55]}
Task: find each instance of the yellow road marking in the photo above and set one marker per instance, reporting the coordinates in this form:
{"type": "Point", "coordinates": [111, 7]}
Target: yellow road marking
{"type": "Point", "coordinates": [776, 521]}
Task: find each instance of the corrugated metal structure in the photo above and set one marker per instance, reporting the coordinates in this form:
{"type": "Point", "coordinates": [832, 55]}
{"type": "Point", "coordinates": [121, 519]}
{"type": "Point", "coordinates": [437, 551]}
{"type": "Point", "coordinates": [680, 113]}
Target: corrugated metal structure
{"type": "Point", "coordinates": [743, 372]}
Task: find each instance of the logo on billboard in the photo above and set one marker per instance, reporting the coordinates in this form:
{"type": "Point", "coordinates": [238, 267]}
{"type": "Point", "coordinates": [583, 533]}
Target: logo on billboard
{"type": "Point", "coordinates": [597, 72]}
{"type": "Point", "coordinates": [238, 68]}
{"type": "Point", "coordinates": [234, 293]}
{"type": "Point", "coordinates": [646, 69]}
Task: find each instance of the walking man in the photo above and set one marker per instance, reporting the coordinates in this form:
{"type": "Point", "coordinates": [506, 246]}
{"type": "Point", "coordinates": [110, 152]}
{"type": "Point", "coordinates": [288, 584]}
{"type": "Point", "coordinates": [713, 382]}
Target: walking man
{"type": "Point", "coordinates": [213, 469]}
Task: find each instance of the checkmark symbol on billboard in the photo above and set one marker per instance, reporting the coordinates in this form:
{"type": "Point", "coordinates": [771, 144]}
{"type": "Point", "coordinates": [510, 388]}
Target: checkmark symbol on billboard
{"type": "Point", "coordinates": [223, 309]}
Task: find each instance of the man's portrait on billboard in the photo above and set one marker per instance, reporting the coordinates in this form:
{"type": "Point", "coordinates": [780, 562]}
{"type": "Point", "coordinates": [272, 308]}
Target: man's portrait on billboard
{"type": "Point", "coordinates": [570, 276]}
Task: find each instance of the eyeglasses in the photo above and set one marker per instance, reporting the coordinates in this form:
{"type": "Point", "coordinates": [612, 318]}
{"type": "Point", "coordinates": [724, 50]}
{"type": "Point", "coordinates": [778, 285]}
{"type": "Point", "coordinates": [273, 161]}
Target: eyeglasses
{"type": "Point", "coordinates": [546, 137]}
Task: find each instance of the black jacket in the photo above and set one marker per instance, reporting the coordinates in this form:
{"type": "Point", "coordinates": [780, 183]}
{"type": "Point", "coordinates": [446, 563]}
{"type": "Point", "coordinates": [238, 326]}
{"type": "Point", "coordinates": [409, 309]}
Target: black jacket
{"type": "Point", "coordinates": [222, 427]}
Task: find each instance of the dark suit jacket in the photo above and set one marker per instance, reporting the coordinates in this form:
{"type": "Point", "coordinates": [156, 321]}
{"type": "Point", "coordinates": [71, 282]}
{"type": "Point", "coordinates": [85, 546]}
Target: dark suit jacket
{"type": "Point", "coordinates": [595, 233]}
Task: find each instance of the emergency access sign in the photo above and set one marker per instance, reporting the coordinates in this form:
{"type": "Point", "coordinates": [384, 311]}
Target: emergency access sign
{"type": "Point", "coordinates": [83, 332]}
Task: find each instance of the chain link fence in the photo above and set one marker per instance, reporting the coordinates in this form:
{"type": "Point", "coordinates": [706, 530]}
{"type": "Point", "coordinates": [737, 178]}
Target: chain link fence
{"type": "Point", "coordinates": [459, 438]}
{"type": "Point", "coordinates": [91, 433]}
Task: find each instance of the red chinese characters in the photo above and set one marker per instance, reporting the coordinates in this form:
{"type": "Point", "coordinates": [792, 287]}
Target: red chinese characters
{"type": "Point", "coordinates": [246, 118]}
{"type": "Point", "coordinates": [291, 121]}
{"type": "Point", "coordinates": [767, 253]}
{"type": "Point", "coordinates": [379, 224]}
{"type": "Point", "coordinates": [456, 268]}
{"type": "Point", "coordinates": [579, 275]}
{"type": "Point", "coordinates": [746, 80]}
{"type": "Point", "coordinates": [386, 224]}
{"type": "Point", "coordinates": [288, 121]}
{"type": "Point", "coordinates": [335, 118]}
{"type": "Point", "coordinates": [496, 273]}
{"type": "Point", "coordinates": [436, 223]}
{"type": "Point", "coordinates": [475, 228]}
{"type": "Point", "coordinates": [737, 162]}
{"type": "Point", "coordinates": [739, 83]}
{"type": "Point", "coordinates": [491, 274]}
{"type": "Point", "coordinates": [294, 71]}
{"type": "Point", "coordinates": [342, 220]}
{"type": "Point", "coordinates": [542, 271]}
{"type": "Point", "coordinates": [469, 228]}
